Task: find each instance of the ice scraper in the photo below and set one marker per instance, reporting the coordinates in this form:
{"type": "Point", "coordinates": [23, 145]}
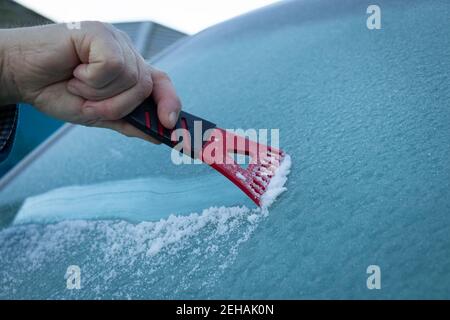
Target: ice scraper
{"type": "Point", "coordinates": [203, 140]}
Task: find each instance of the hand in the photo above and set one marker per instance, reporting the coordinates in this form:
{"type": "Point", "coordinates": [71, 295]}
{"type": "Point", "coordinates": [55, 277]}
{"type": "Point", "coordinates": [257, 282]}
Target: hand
{"type": "Point", "coordinates": [91, 76]}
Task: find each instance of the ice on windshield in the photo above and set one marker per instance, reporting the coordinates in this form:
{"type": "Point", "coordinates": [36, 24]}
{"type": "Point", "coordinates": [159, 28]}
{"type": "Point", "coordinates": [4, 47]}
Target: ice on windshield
{"type": "Point", "coordinates": [137, 200]}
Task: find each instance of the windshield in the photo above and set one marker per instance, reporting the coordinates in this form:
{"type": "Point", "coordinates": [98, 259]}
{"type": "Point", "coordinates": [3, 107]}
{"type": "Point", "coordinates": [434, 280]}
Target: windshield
{"type": "Point", "coordinates": [364, 115]}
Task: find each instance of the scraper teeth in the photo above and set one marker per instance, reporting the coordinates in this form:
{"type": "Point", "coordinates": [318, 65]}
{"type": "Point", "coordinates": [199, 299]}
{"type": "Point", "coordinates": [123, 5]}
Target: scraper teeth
{"type": "Point", "coordinates": [270, 160]}
{"type": "Point", "coordinates": [261, 180]}
{"type": "Point", "coordinates": [259, 183]}
{"type": "Point", "coordinates": [270, 164]}
{"type": "Point", "coordinates": [253, 190]}
{"type": "Point", "coordinates": [257, 188]}
{"type": "Point", "coordinates": [276, 155]}
{"type": "Point", "coordinates": [275, 161]}
{"type": "Point", "coordinates": [265, 160]}
{"type": "Point", "coordinates": [271, 154]}
{"type": "Point", "coordinates": [265, 172]}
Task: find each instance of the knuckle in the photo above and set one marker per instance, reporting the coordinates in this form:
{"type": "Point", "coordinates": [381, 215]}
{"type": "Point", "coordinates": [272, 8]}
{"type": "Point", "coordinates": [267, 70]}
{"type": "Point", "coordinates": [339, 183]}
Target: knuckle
{"type": "Point", "coordinates": [88, 121]}
{"type": "Point", "coordinates": [133, 77]}
{"type": "Point", "coordinates": [109, 112]}
{"type": "Point", "coordinates": [108, 26]}
{"type": "Point", "coordinates": [147, 82]}
{"type": "Point", "coordinates": [125, 35]}
{"type": "Point", "coordinates": [97, 25]}
{"type": "Point", "coordinates": [115, 114]}
{"type": "Point", "coordinates": [115, 64]}
{"type": "Point", "coordinates": [142, 94]}
{"type": "Point", "coordinates": [96, 96]}
{"type": "Point", "coordinates": [161, 75]}
{"type": "Point", "coordinates": [146, 87]}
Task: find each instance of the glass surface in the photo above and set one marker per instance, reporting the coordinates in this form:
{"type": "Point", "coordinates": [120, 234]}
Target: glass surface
{"type": "Point", "coordinates": [365, 118]}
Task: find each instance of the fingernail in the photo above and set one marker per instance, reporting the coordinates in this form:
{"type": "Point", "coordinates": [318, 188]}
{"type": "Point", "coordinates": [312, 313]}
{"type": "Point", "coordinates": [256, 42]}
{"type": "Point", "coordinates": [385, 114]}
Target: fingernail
{"type": "Point", "coordinates": [173, 117]}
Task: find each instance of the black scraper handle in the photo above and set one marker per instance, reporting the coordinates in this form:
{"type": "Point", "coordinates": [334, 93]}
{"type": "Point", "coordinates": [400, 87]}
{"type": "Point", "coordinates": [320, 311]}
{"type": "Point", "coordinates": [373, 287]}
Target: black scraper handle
{"type": "Point", "coordinates": [145, 118]}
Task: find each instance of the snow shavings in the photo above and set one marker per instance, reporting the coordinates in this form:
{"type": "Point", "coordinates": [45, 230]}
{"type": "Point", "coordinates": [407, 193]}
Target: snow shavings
{"type": "Point", "coordinates": [277, 182]}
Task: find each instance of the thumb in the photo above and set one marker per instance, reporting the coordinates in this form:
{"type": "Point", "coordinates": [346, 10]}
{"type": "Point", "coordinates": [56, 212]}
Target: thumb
{"type": "Point", "coordinates": [165, 97]}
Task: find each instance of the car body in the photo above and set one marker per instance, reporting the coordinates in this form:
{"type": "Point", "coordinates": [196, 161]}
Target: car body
{"type": "Point", "coordinates": [364, 115]}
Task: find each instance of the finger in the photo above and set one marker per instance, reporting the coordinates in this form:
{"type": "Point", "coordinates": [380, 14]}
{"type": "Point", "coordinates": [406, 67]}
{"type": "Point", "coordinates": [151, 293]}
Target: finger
{"type": "Point", "coordinates": [81, 89]}
{"type": "Point", "coordinates": [56, 95]}
{"type": "Point", "coordinates": [128, 77]}
{"type": "Point", "coordinates": [119, 106]}
{"type": "Point", "coordinates": [104, 62]}
{"type": "Point", "coordinates": [164, 94]}
{"type": "Point", "coordinates": [126, 129]}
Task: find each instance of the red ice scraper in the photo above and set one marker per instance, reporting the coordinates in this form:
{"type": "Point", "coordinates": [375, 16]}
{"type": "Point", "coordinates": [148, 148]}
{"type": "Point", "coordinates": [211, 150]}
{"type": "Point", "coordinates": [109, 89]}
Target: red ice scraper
{"type": "Point", "coordinates": [201, 139]}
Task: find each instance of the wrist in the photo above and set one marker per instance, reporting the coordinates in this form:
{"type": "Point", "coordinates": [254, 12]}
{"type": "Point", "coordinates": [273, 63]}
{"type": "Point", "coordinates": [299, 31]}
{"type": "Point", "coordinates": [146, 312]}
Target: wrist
{"type": "Point", "coordinates": [8, 91]}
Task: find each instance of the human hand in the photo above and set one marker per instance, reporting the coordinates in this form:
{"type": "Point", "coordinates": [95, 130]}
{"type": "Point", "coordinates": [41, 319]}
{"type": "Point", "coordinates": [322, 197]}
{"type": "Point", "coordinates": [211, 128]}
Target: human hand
{"type": "Point", "coordinates": [91, 76]}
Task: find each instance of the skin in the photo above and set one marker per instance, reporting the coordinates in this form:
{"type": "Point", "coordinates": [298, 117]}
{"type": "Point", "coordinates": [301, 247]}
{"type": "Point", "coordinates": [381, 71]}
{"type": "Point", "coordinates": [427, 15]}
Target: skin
{"type": "Point", "coordinates": [91, 76]}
